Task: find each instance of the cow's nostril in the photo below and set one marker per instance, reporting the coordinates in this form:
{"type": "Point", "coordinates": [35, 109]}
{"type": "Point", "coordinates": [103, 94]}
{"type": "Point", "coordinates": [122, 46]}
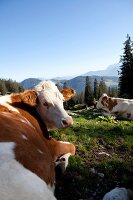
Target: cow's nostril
{"type": "Point", "coordinates": [68, 121]}
{"type": "Point", "coordinates": [65, 123]}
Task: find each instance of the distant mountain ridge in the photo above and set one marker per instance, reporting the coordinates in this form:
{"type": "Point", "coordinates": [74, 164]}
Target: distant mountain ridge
{"type": "Point", "coordinates": [30, 83]}
{"type": "Point", "coordinates": [78, 82]}
{"type": "Point", "coordinates": [111, 70]}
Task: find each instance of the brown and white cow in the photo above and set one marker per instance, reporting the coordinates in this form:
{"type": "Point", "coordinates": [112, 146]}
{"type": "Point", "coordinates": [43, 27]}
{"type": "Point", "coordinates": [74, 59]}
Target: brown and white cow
{"type": "Point", "coordinates": [27, 153]}
{"type": "Point", "coordinates": [118, 107]}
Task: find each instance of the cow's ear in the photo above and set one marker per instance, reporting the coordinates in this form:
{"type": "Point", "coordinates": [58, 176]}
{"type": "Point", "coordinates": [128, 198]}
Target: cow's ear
{"type": "Point", "coordinates": [68, 93]}
{"type": "Point", "coordinates": [29, 97]}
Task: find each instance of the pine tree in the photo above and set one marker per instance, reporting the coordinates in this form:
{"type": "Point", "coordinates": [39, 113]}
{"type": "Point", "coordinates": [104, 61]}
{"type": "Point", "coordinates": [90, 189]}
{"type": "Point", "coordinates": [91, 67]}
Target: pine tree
{"type": "Point", "coordinates": [113, 91]}
{"type": "Point", "coordinates": [95, 89]}
{"type": "Point", "coordinates": [65, 85]}
{"type": "Point", "coordinates": [126, 73]}
{"type": "Point", "coordinates": [88, 96]}
{"type": "Point", "coordinates": [13, 86]}
{"type": "Point", "coordinates": [3, 89]}
{"type": "Point", "coordinates": [10, 86]}
{"type": "Point", "coordinates": [102, 88]}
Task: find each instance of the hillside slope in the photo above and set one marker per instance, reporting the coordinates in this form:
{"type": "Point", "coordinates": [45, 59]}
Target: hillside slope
{"type": "Point", "coordinates": [78, 83]}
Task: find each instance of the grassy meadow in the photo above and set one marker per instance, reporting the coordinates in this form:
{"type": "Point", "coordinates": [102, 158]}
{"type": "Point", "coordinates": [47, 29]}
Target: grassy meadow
{"type": "Point", "coordinates": [104, 156]}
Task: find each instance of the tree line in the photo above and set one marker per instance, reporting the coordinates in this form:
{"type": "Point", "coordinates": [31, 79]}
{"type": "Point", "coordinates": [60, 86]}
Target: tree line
{"type": "Point", "coordinates": [91, 92]}
{"type": "Point", "coordinates": [9, 86]}
{"type": "Point", "coordinates": [126, 70]}
{"type": "Point", "coordinates": [124, 90]}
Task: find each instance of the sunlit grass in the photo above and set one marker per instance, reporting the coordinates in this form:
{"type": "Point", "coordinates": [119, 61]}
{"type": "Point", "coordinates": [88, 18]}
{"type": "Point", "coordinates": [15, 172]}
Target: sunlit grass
{"type": "Point", "coordinates": [92, 134]}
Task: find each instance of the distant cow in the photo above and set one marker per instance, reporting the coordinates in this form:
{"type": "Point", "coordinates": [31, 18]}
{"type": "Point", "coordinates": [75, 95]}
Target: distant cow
{"type": "Point", "coordinates": [116, 106]}
{"type": "Point", "coordinates": [119, 194]}
{"type": "Point", "coordinates": [27, 153]}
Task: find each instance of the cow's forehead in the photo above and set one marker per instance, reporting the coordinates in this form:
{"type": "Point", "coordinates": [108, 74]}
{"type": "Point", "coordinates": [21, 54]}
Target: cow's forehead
{"type": "Point", "coordinates": [48, 91]}
{"type": "Point", "coordinates": [46, 85]}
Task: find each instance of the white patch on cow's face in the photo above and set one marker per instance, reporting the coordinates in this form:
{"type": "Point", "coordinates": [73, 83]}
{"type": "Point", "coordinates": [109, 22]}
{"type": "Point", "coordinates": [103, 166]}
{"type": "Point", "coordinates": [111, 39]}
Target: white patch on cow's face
{"type": "Point", "coordinates": [50, 106]}
{"type": "Point", "coordinates": [16, 182]}
{"type": "Point", "coordinates": [5, 100]}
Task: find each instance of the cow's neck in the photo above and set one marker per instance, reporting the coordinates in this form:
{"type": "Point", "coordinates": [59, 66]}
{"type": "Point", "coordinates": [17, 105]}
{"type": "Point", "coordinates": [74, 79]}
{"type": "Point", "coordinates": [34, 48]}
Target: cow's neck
{"type": "Point", "coordinates": [30, 113]}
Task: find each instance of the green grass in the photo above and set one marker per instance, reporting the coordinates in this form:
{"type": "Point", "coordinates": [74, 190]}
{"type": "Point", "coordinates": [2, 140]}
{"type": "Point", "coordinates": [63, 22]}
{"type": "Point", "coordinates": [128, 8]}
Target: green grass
{"type": "Point", "coordinates": [93, 134]}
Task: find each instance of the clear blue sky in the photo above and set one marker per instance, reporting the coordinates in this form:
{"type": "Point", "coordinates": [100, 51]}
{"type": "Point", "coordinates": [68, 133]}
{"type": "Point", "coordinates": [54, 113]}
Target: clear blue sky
{"type": "Point", "coordinates": [50, 38]}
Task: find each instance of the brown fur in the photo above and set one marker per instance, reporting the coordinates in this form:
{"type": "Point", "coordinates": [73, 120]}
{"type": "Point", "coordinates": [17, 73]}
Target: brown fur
{"type": "Point", "coordinates": [38, 151]}
{"type": "Point", "coordinates": [26, 151]}
{"type": "Point", "coordinates": [4, 109]}
{"type": "Point", "coordinates": [111, 103]}
{"type": "Point", "coordinates": [104, 101]}
{"type": "Point", "coordinates": [68, 93]}
{"type": "Point", "coordinates": [108, 102]}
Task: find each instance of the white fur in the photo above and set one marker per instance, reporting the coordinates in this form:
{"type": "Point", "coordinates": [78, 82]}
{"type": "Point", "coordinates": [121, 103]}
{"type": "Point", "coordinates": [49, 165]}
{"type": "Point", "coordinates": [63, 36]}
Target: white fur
{"type": "Point", "coordinates": [18, 183]}
{"type": "Point", "coordinates": [64, 142]}
{"type": "Point", "coordinates": [66, 157]}
{"type": "Point", "coordinates": [50, 106]}
{"type": "Point", "coordinates": [39, 151]}
{"type": "Point", "coordinates": [117, 194]}
{"type": "Point", "coordinates": [5, 100]}
{"type": "Point", "coordinates": [50, 90]}
{"type": "Point", "coordinates": [123, 107]}
{"type": "Point", "coordinates": [24, 120]}
{"type": "Point", "coordinates": [53, 114]}
{"type": "Point", "coordinates": [24, 137]}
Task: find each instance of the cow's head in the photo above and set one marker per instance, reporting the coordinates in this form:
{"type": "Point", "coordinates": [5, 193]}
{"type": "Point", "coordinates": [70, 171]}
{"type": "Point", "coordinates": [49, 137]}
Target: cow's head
{"type": "Point", "coordinates": [106, 103]}
{"type": "Point", "coordinates": [49, 104]}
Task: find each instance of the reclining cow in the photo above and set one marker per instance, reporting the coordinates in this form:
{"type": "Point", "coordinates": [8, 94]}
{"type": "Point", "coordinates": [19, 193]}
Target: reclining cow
{"type": "Point", "coordinates": [27, 153]}
{"type": "Point", "coordinates": [118, 107]}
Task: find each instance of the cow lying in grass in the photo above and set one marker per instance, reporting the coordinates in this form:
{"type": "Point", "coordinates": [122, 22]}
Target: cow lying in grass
{"type": "Point", "coordinates": [119, 194]}
{"type": "Point", "coordinates": [118, 107]}
{"type": "Point", "coordinates": [27, 153]}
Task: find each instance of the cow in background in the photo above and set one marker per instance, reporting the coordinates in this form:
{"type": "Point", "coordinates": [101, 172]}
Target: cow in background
{"type": "Point", "coordinates": [27, 153]}
{"type": "Point", "coordinates": [119, 194]}
{"type": "Point", "coordinates": [118, 107]}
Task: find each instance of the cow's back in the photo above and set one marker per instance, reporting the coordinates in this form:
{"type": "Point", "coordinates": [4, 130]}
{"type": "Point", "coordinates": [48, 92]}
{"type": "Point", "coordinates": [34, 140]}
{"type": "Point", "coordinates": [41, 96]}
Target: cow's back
{"type": "Point", "coordinates": [23, 157]}
{"type": "Point", "coordinates": [17, 182]}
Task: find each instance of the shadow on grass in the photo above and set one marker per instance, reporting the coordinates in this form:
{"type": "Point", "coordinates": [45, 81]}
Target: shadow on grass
{"type": "Point", "coordinates": [91, 136]}
{"type": "Point", "coordinates": [79, 182]}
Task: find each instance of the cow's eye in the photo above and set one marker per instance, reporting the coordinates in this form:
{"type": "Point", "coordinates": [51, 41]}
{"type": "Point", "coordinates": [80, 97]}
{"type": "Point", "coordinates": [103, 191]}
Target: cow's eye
{"type": "Point", "coordinates": [46, 104]}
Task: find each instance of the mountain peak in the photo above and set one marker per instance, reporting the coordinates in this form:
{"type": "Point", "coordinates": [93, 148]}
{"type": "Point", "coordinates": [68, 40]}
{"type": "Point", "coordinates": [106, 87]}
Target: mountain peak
{"type": "Point", "coordinates": [111, 70]}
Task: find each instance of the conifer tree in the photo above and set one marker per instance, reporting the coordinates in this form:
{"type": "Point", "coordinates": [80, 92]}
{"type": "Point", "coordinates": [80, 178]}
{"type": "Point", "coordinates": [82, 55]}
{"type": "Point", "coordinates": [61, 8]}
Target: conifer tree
{"type": "Point", "coordinates": [95, 89]}
{"type": "Point", "coordinates": [126, 73]}
{"type": "Point", "coordinates": [3, 89]}
{"type": "Point", "coordinates": [65, 85]}
{"type": "Point", "coordinates": [113, 91]}
{"type": "Point", "coordinates": [88, 96]}
{"type": "Point", "coordinates": [102, 88]}
{"type": "Point", "coordinates": [10, 86]}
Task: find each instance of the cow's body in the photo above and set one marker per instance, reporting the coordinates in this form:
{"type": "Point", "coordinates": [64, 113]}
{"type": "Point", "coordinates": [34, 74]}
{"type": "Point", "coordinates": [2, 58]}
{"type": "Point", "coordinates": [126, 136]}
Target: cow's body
{"type": "Point", "coordinates": [119, 194]}
{"type": "Point", "coordinates": [27, 153]}
{"type": "Point", "coordinates": [118, 107]}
